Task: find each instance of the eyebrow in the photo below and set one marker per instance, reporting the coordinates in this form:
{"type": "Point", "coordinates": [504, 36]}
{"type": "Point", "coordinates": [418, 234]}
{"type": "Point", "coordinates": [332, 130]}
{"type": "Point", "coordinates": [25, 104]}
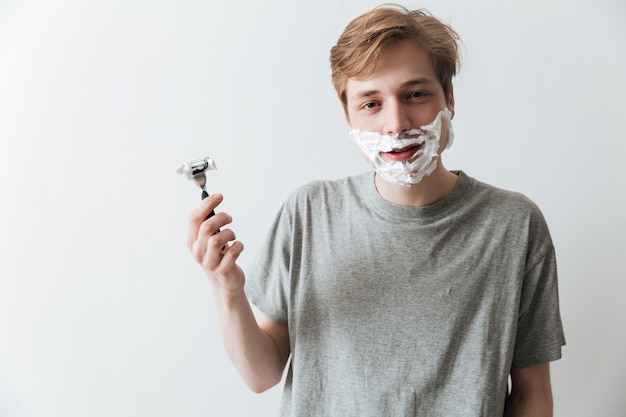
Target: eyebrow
{"type": "Point", "coordinates": [410, 83]}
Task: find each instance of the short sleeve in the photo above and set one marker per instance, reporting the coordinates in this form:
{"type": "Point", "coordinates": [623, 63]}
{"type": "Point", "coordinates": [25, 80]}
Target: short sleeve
{"type": "Point", "coordinates": [540, 331]}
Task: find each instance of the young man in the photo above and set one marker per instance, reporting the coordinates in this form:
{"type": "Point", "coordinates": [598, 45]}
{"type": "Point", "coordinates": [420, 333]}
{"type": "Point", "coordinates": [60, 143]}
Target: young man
{"type": "Point", "coordinates": [409, 291]}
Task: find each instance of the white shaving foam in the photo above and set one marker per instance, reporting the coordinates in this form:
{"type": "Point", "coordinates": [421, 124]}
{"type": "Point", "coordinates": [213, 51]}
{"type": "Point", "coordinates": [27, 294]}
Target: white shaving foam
{"type": "Point", "coordinates": [422, 163]}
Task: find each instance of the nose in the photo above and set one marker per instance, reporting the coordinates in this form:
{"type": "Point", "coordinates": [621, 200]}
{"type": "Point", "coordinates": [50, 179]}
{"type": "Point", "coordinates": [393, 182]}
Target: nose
{"type": "Point", "coordinates": [396, 118]}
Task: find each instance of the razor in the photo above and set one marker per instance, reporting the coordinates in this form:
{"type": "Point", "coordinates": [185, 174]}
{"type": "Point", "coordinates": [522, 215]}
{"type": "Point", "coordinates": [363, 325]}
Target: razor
{"type": "Point", "coordinates": [195, 170]}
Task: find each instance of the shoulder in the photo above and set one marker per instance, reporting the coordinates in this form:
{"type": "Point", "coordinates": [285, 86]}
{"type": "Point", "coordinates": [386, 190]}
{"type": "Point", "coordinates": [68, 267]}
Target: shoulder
{"type": "Point", "coordinates": [512, 210]}
{"type": "Point", "coordinates": [511, 203]}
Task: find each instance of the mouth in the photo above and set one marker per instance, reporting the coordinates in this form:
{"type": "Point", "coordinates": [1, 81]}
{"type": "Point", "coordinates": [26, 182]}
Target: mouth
{"type": "Point", "coordinates": [402, 154]}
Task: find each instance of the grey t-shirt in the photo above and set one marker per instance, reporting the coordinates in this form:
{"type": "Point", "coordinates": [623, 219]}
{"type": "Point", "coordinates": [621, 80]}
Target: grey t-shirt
{"type": "Point", "coordinates": [407, 311]}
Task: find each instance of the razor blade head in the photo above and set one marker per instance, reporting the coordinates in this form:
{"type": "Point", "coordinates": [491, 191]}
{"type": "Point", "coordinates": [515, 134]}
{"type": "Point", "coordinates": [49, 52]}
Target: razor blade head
{"type": "Point", "coordinates": [195, 170]}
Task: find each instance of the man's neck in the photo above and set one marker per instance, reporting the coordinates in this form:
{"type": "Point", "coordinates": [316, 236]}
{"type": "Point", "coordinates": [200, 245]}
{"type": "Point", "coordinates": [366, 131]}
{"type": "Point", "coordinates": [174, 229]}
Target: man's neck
{"type": "Point", "coordinates": [433, 188]}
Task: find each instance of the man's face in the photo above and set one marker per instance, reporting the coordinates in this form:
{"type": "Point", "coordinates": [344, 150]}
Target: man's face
{"type": "Point", "coordinates": [402, 93]}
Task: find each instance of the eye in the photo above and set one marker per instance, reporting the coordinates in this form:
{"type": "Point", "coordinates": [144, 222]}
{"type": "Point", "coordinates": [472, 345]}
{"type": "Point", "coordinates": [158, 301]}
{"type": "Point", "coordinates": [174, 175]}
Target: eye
{"type": "Point", "coordinates": [369, 106]}
{"type": "Point", "coordinates": [417, 94]}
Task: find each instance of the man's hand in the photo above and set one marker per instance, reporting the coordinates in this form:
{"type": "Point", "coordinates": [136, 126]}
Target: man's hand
{"type": "Point", "coordinates": [259, 350]}
{"type": "Point", "coordinates": [211, 248]}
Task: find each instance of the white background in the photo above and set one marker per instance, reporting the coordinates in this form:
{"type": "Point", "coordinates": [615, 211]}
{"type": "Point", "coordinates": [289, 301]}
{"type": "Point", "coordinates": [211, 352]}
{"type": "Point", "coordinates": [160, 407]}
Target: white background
{"type": "Point", "coordinates": [102, 310]}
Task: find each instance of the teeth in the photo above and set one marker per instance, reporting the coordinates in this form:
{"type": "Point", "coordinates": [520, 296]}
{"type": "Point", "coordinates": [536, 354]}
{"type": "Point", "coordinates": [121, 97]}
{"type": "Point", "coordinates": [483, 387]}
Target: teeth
{"type": "Point", "coordinates": [404, 149]}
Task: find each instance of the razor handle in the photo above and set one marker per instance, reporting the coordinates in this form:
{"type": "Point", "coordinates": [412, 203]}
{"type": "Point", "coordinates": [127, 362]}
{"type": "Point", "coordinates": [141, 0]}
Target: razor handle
{"type": "Point", "coordinates": [212, 213]}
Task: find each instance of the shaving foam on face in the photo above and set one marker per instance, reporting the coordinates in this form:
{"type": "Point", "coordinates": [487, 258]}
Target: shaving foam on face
{"type": "Point", "coordinates": [414, 169]}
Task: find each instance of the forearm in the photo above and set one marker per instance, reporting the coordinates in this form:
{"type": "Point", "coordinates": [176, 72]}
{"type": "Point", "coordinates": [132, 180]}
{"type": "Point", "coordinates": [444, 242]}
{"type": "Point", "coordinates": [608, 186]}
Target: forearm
{"type": "Point", "coordinates": [537, 405]}
{"type": "Point", "coordinates": [254, 353]}
{"type": "Point", "coordinates": [531, 392]}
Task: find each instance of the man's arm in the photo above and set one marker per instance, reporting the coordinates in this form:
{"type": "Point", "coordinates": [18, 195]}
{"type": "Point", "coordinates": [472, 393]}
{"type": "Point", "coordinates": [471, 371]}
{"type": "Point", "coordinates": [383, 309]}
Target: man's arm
{"type": "Point", "coordinates": [259, 350]}
{"type": "Point", "coordinates": [531, 392]}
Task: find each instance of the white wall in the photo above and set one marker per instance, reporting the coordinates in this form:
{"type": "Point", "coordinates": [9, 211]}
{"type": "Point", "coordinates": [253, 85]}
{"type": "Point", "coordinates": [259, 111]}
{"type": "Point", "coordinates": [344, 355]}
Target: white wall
{"type": "Point", "coordinates": [102, 310]}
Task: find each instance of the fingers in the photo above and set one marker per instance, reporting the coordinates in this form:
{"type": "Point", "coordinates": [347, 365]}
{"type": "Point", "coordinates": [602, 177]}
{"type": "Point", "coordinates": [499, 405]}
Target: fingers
{"type": "Point", "coordinates": [199, 215]}
{"type": "Point", "coordinates": [208, 249]}
{"type": "Point", "coordinates": [219, 260]}
{"type": "Point", "coordinates": [227, 275]}
{"type": "Point", "coordinates": [228, 261]}
{"type": "Point", "coordinates": [209, 245]}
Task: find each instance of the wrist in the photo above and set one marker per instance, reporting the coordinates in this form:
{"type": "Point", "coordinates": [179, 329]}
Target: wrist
{"type": "Point", "coordinates": [229, 297]}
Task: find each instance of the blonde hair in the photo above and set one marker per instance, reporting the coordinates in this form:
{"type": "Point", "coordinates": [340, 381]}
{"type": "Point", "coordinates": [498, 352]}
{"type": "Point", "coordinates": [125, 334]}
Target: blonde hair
{"type": "Point", "coordinates": [365, 37]}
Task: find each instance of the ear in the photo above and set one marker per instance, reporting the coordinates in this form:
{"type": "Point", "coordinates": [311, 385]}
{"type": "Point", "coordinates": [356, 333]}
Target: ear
{"type": "Point", "coordinates": [450, 99]}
